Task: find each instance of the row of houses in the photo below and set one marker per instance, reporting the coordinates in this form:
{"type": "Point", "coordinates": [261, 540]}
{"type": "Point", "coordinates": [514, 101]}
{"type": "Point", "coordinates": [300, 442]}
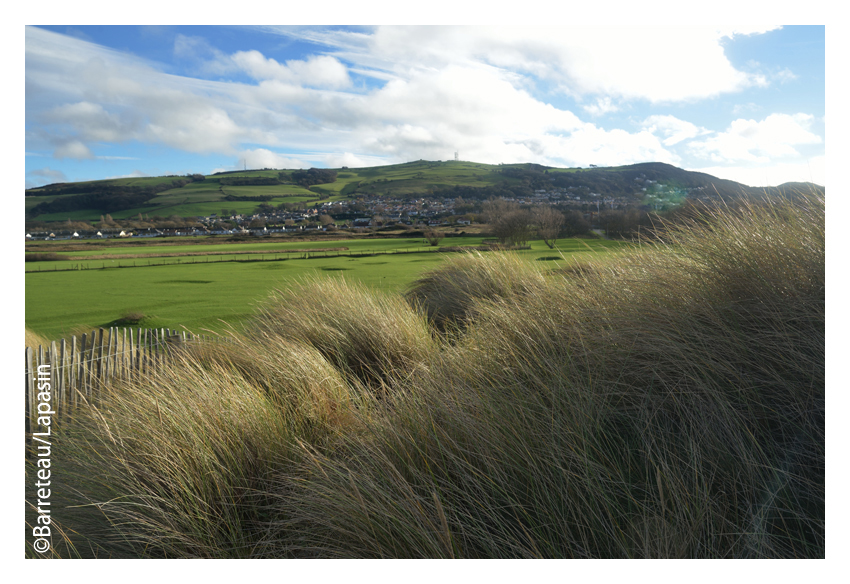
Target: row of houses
{"type": "Point", "coordinates": [194, 232]}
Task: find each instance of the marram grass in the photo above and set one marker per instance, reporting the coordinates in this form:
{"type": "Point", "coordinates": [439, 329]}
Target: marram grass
{"type": "Point", "coordinates": [666, 404]}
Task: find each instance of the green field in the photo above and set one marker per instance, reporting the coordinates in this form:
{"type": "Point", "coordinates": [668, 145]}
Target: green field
{"type": "Point", "coordinates": [209, 291]}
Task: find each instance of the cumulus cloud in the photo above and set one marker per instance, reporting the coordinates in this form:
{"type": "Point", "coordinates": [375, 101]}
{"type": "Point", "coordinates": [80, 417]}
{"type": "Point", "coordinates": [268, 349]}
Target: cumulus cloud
{"type": "Point", "coordinates": [316, 71]}
{"type": "Point", "coordinates": [106, 96]}
{"type": "Point", "coordinates": [687, 63]}
{"type": "Point", "coordinates": [752, 141]}
{"type": "Point", "coordinates": [592, 145]}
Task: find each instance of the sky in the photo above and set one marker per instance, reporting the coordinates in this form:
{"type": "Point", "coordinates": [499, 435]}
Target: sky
{"type": "Point", "coordinates": [745, 103]}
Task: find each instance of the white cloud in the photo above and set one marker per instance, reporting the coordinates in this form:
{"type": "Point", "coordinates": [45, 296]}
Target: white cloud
{"type": "Point", "coordinates": [592, 145]}
{"type": "Point", "coordinates": [92, 122]}
{"type": "Point", "coordinates": [784, 75]}
{"type": "Point", "coordinates": [73, 149]}
{"type": "Point", "coordinates": [316, 71]}
{"type": "Point", "coordinates": [672, 128]}
{"type": "Point", "coordinates": [741, 108]}
{"type": "Point", "coordinates": [262, 158]}
{"type": "Point", "coordinates": [688, 62]}
{"type": "Point", "coordinates": [194, 47]}
{"type": "Point", "coordinates": [771, 175]}
{"type": "Point", "coordinates": [750, 141]}
{"type": "Point", "coordinates": [351, 160]}
{"type": "Point", "coordinates": [603, 105]}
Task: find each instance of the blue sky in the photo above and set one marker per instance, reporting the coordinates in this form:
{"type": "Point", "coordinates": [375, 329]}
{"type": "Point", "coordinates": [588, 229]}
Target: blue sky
{"type": "Point", "coordinates": [745, 103]}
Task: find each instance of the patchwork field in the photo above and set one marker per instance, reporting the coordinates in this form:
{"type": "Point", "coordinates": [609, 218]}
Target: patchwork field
{"type": "Point", "coordinates": [209, 196]}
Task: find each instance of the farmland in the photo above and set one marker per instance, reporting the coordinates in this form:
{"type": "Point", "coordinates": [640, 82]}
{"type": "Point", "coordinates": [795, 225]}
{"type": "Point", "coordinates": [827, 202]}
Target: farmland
{"type": "Point", "coordinates": [211, 194]}
{"type": "Point", "coordinates": [208, 291]}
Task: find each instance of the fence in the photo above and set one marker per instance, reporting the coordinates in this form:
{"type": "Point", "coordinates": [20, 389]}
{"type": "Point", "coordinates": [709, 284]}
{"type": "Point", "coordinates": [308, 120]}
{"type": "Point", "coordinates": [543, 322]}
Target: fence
{"type": "Point", "coordinates": [81, 369]}
{"type": "Point", "coordinates": [258, 256]}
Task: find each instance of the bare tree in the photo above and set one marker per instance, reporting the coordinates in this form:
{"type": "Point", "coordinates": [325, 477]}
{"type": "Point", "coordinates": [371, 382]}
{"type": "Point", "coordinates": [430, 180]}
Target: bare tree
{"type": "Point", "coordinates": [507, 221]}
{"type": "Point", "coordinates": [433, 236]}
{"type": "Point", "coordinates": [519, 226]}
{"type": "Point", "coordinates": [575, 224]}
{"type": "Point", "coordinates": [549, 224]}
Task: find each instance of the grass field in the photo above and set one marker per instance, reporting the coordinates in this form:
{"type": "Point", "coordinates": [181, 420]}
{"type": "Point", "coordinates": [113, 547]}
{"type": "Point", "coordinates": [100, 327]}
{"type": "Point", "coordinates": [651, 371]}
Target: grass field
{"type": "Point", "coordinates": [202, 291]}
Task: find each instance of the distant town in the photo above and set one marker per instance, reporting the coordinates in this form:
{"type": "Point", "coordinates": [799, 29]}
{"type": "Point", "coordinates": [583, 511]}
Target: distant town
{"type": "Point", "coordinates": [327, 216]}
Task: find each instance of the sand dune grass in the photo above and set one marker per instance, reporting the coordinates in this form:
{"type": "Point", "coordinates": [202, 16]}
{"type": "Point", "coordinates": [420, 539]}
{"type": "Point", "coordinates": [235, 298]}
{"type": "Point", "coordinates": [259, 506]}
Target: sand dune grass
{"type": "Point", "coordinates": [667, 404]}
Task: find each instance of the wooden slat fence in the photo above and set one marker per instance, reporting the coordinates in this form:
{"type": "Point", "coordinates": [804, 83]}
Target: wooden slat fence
{"type": "Point", "coordinates": [83, 366]}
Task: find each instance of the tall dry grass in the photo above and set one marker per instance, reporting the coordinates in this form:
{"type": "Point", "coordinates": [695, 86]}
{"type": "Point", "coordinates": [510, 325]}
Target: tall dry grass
{"type": "Point", "coordinates": [447, 295]}
{"type": "Point", "coordinates": [34, 340]}
{"type": "Point", "coordinates": [374, 337]}
{"type": "Point", "coordinates": [181, 462]}
{"type": "Point", "coordinates": [670, 404]}
{"type": "Point", "coordinates": [666, 404]}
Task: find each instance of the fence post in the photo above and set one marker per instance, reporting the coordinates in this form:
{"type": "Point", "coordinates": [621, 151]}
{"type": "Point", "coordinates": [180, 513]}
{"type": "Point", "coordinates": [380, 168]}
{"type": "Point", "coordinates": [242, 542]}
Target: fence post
{"type": "Point", "coordinates": [83, 368]}
{"type": "Point", "coordinates": [131, 366]}
{"type": "Point", "coordinates": [90, 376]}
{"type": "Point", "coordinates": [109, 365]}
{"type": "Point", "coordinates": [72, 377]}
{"type": "Point", "coordinates": [62, 367]}
{"type": "Point", "coordinates": [146, 363]}
{"type": "Point", "coordinates": [124, 355]}
{"type": "Point", "coordinates": [154, 356]}
{"type": "Point", "coordinates": [99, 358]}
{"type": "Point", "coordinates": [139, 351]}
{"type": "Point", "coordinates": [105, 365]}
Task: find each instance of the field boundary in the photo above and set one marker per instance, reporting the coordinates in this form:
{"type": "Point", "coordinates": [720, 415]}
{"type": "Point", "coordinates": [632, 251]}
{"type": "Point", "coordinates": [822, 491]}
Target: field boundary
{"type": "Point", "coordinates": [273, 256]}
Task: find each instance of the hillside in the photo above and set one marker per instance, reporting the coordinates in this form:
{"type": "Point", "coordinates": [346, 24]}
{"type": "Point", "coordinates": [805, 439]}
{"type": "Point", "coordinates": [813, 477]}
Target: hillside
{"type": "Point", "coordinates": [242, 191]}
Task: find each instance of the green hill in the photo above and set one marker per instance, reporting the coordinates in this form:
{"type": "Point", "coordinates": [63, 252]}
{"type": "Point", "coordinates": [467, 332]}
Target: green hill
{"type": "Point", "coordinates": [241, 191]}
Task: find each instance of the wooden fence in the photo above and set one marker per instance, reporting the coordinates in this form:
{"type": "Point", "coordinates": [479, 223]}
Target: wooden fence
{"type": "Point", "coordinates": [78, 369]}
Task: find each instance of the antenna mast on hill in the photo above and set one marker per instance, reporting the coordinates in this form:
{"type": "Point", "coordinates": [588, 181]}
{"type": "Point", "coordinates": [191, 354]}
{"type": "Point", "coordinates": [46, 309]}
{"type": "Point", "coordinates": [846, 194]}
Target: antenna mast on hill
{"type": "Point", "coordinates": [455, 155]}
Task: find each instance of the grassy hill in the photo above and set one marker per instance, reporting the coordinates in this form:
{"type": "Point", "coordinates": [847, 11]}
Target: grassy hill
{"type": "Point", "coordinates": [196, 195]}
